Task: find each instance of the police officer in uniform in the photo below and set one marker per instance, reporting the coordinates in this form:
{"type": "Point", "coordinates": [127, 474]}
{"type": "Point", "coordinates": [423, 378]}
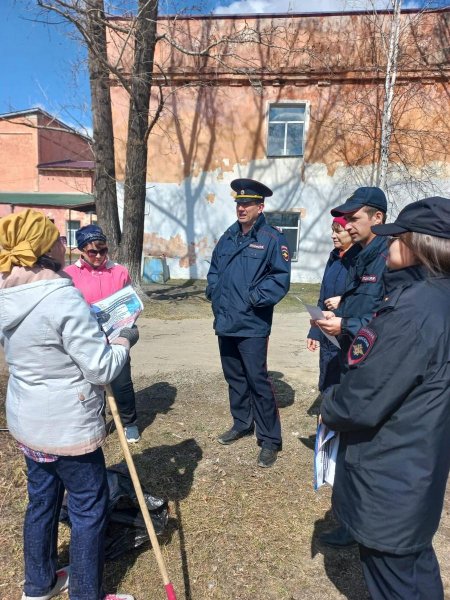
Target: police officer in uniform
{"type": "Point", "coordinates": [249, 274]}
{"type": "Point", "coordinates": [393, 411]}
{"type": "Point", "coordinates": [364, 289]}
{"type": "Point", "coordinates": [366, 207]}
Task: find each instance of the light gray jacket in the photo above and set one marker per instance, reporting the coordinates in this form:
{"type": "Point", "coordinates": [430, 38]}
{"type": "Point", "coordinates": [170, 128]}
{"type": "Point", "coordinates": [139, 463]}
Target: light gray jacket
{"type": "Point", "coordinates": [58, 360]}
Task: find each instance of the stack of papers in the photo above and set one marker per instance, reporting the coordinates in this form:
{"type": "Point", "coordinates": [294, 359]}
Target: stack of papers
{"type": "Point", "coordinates": [325, 455]}
{"type": "Point", "coordinates": [118, 311]}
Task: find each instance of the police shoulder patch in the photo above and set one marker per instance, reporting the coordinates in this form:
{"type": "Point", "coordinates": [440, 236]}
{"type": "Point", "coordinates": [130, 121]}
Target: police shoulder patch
{"type": "Point", "coordinates": [285, 252]}
{"type": "Point", "coordinates": [361, 345]}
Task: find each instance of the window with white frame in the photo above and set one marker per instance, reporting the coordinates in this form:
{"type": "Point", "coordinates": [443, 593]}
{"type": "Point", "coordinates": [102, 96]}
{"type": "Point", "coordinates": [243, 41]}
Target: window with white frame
{"type": "Point", "coordinates": [71, 228]}
{"type": "Point", "coordinates": [288, 222]}
{"type": "Point", "coordinates": [286, 129]}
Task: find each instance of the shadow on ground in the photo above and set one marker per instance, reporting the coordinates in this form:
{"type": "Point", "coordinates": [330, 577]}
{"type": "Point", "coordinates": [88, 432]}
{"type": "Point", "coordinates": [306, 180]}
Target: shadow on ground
{"type": "Point", "coordinates": [190, 288]}
{"type": "Point", "coordinates": [342, 566]}
{"type": "Point", "coordinates": [284, 393]}
{"type": "Point", "coordinates": [166, 471]}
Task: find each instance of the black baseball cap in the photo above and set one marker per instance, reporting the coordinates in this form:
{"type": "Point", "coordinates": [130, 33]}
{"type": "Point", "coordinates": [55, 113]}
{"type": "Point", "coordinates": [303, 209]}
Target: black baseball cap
{"type": "Point", "coordinates": [363, 196]}
{"type": "Point", "coordinates": [430, 216]}
{"type": "Point", "coordinates": [248, 190]}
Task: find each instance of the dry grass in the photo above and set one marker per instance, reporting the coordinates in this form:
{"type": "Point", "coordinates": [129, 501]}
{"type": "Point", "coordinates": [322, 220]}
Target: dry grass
{"type": "Point", "coordinates": [185, 299]}
{"type": "Point", "coordinates": [237, 532]}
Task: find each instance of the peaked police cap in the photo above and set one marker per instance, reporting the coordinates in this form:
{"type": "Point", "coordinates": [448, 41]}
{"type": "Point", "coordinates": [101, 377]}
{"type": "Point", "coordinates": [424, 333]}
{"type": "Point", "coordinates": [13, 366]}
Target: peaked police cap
{"type": "Point", "coordinates": [363, 196]}
{"type": "Point", "coordinates": [248, 190]}
{"type": "Point", "coordinates": [430, 216]}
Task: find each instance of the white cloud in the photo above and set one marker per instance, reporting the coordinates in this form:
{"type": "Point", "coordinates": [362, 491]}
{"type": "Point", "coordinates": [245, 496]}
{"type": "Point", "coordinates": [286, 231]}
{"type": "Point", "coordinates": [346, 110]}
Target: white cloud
{"type": "Point", "coordinates": [299, 6]}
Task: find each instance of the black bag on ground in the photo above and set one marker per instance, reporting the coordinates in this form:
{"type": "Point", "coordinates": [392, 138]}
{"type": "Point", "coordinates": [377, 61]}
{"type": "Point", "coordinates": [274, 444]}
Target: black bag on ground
{"type": "Point", "coordinates": [126, 527]}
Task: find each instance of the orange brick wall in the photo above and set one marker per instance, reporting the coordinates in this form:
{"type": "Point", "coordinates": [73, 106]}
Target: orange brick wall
{"type": "Point", "coordinates": [18, 156]}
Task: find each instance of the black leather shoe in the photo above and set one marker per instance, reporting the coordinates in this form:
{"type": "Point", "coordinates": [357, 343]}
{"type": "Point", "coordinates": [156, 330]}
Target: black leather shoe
{"type": "Point", "coordinates": [232, 435]}
{"type": "Point", "coordinates": [267, 457]}
{"type": "Point", "coordinates": [337, 538]}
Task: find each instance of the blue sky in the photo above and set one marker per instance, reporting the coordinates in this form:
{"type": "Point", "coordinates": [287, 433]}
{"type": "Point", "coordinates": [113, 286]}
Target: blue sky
{"type": "Point", "coordinates": [44, 66]}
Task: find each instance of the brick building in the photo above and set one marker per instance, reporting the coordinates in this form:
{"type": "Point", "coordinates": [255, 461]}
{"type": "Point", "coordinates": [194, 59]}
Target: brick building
{"type": "Point", "coordinates": [47, 165]}
{"type": "Point", "coordinates": [294, 101]}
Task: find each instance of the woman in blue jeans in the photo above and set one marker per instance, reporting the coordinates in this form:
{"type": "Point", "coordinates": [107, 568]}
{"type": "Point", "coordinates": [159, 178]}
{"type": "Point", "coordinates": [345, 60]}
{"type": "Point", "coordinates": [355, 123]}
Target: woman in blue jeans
{"type": "Point", "coordinates": [58, 360]}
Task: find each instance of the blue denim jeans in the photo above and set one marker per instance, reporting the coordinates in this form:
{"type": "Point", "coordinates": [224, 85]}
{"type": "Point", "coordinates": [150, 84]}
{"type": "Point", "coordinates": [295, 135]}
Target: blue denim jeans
{"type": "Point", "coordinates": [84, 478]}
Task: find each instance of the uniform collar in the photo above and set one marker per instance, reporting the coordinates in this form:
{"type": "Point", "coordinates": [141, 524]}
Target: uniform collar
{"type": "Point", "coordinates": [375, 247]}
{"type": "Point", "coordinates": [235, 229]}
{"type": "Point", "coordinates": [395, 282]}
{"type": "Point", "coordinates": [401, 278]}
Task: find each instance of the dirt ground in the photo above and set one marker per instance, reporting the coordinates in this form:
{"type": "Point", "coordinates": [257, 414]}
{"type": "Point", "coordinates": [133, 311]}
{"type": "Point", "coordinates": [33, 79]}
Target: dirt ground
{"type": "Point", "coordinates": [236, 532]}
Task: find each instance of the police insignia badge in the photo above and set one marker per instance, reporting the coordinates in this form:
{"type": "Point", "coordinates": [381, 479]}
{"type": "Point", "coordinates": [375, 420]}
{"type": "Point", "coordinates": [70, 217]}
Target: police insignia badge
{"type": "Point", "coordinates": [361, 346]}
{"type": "Point", "coordinates": [285, 253]}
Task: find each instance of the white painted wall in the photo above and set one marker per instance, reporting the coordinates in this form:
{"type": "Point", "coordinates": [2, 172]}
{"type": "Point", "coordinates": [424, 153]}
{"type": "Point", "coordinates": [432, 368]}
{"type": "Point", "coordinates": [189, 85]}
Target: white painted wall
{"type": "Point", "coordinates": [184, 210]}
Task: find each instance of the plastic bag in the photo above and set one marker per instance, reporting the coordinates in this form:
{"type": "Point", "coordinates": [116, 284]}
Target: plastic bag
{"type": "Point", "coordinates": [126, 527]}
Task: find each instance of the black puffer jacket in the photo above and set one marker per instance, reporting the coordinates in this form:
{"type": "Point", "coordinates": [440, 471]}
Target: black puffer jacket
{"type": "Point", "coordinates": [393, 409]}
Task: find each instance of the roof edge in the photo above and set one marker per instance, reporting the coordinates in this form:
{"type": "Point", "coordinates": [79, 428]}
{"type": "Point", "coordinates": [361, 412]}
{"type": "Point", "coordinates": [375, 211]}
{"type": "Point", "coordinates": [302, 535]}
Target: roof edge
{"type": "Point", "coordinates": [282, 14]}
{"type": "Point", "coordinates": [35, 111]}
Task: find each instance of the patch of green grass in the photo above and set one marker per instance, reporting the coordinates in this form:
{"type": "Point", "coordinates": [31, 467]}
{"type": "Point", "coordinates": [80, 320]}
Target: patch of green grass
{"type": "Point", "coordinates": [307, 292]}
{"type": "Point", "coordinates": [185, 299]}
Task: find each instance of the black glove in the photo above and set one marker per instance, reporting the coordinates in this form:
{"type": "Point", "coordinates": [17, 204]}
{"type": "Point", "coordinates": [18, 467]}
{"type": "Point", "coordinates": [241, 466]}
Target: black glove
{"type": "Point", "coordinates": [131, 334]}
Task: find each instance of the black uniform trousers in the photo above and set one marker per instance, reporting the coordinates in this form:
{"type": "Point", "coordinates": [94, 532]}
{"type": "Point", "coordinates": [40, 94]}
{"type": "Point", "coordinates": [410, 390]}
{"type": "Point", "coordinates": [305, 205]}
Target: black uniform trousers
{"type": "Point", "coordinates": [402, 577]}
{"type": "Point", "coordinates": [252, 400]}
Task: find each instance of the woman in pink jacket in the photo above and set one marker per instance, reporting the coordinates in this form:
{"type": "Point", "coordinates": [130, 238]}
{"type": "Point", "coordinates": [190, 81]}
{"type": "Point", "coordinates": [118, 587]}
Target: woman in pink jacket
{"type": "Point", "coordinates": [97, 277]}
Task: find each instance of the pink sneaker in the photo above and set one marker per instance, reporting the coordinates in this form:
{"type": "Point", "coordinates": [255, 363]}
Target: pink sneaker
{"type": "Point", "coordinates": [61, 585]}
{"type": "Point", "coordinates": [118, 597]}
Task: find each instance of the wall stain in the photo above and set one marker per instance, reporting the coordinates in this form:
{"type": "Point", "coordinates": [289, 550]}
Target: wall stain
{"type": "Point", "coordinates": [174, 247]}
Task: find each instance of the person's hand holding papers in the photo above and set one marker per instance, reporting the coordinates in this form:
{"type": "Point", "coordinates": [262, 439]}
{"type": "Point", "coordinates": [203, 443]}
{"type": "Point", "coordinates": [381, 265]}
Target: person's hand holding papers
{"type": "Point", "coordinates": [331, 324]}
{"type": "Point", "coordinates": [318, 317]}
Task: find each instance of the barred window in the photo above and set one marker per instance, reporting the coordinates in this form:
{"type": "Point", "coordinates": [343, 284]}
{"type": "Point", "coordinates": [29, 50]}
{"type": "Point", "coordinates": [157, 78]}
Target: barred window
{"type": "Point", "coordinates": [289, 223]}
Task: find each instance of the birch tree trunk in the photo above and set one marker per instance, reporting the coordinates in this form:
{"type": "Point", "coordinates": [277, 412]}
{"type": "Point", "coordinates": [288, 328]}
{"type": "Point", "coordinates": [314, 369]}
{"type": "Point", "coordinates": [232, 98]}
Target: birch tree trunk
{"type": "Point", "coordinates": [389, 88]}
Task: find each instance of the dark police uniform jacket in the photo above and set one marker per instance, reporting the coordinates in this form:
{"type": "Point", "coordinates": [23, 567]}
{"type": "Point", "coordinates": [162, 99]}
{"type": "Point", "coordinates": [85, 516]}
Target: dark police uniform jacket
{"type": "Point", "coordinates": [334, 282]}
{"type": "Point", "coordinates": [363, 290]}
{"type": "Point", "coordinates": [393, 407]}
{"type": "Point", "coordinates": [247, 277]}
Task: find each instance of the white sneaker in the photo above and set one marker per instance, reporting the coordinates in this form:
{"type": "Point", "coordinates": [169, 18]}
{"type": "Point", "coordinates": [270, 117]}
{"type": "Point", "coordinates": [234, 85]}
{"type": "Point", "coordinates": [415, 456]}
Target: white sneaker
{"type": "Point", "coordinates": [132, 434]}
{"type": "Point", "coordinates": [61, 585]}
{"type": "Point", "coordinates": [118, 597]}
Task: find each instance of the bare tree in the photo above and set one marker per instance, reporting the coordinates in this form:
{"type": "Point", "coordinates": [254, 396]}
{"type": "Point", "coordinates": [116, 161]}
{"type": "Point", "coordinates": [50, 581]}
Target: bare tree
{"type": "Point", "coordinates": [389, 87]}
{"type": "Point", "coordinates": [390, 122]}
{"type": "Point", "coordinates": [90, 20]}
{"type": "Point", "coordinates": [93, 29]}
{"type": "Point", "coordinates": [121, 49]}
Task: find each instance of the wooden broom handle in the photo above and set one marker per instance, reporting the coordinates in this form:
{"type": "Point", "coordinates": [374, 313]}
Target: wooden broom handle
{"type": "Point", "coordinates": [137, 485]}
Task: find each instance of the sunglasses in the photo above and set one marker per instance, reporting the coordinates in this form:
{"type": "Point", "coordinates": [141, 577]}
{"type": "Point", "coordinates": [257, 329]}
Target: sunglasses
{"type": "Point", "coordinates": [95, 253]}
